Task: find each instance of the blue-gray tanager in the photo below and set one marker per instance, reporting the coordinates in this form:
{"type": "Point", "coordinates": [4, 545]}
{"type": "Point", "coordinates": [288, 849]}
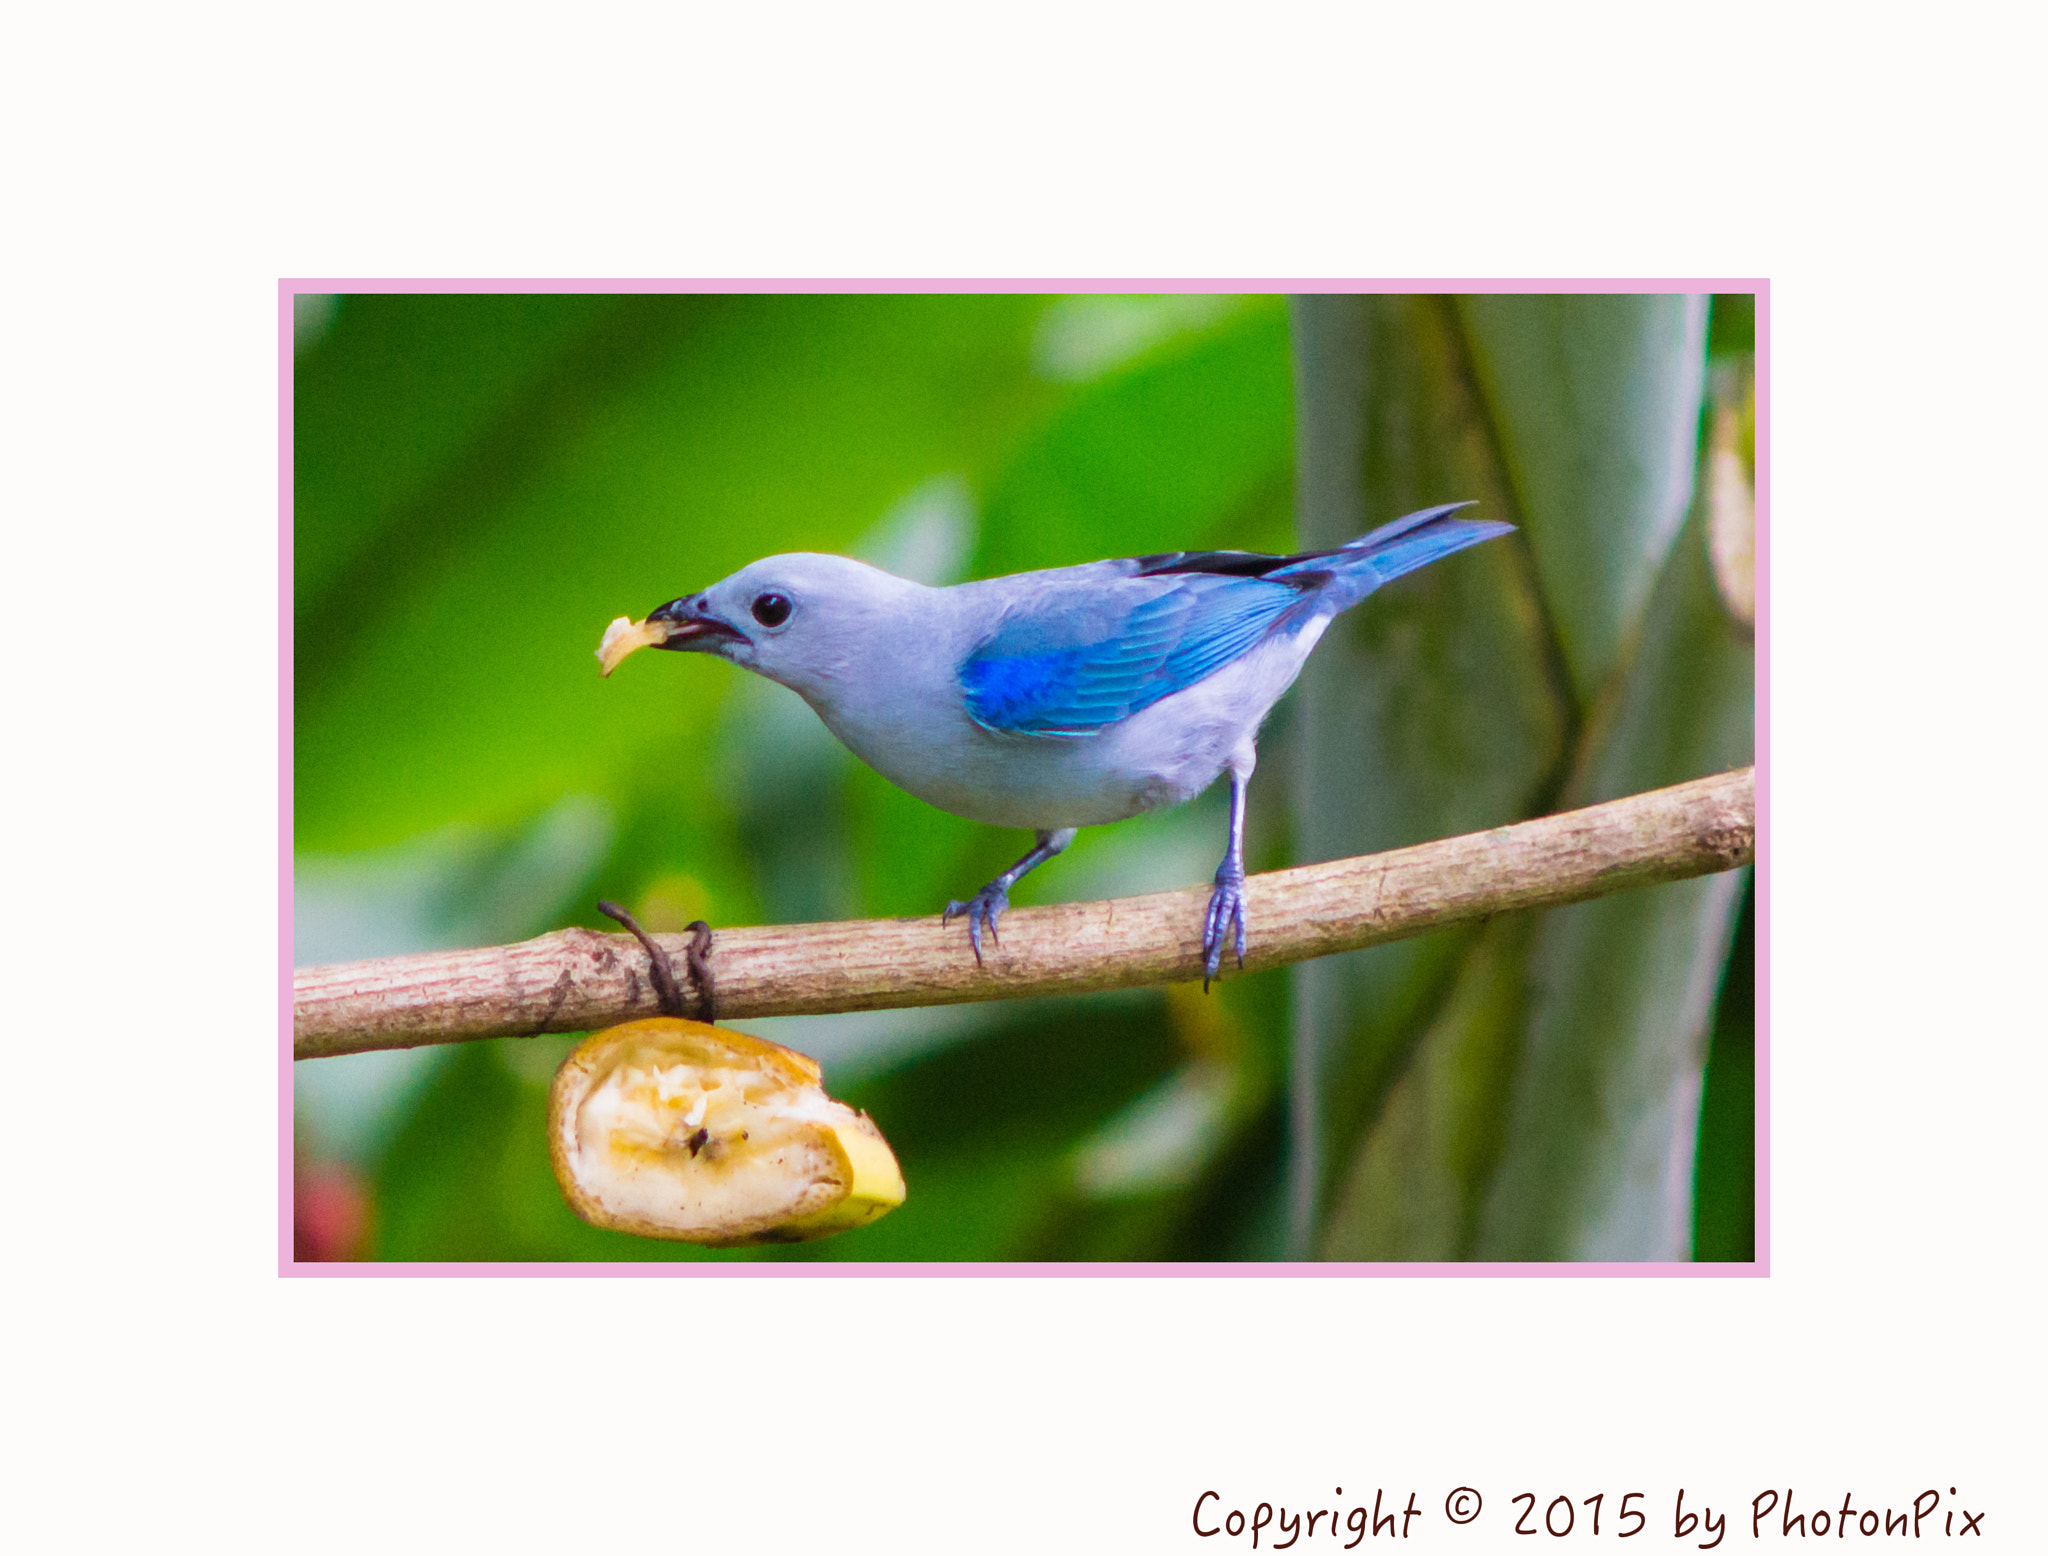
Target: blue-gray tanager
{"type": "Point", "coordinates": [1051, 700]}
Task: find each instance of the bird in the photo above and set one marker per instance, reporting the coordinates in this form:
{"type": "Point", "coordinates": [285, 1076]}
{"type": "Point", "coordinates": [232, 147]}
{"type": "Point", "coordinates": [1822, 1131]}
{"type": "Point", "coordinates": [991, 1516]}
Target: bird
{"type": "Point", "coordinates": [1051, 700]}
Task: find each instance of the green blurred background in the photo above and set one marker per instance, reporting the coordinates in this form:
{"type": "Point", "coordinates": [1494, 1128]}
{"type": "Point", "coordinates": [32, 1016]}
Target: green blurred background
{"type": "Point", "coordinates": [482, 482]}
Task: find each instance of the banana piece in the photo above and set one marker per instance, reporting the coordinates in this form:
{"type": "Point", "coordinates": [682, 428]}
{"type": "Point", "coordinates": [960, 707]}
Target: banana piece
{"type": "Point", "coordinates": [671, 1128]}
{"type": "Point", "coordinates": [625, 636]}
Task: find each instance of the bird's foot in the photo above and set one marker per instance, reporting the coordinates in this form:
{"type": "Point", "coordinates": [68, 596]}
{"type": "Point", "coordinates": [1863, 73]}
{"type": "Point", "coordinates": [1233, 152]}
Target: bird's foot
{"type": "Point", "coordinates": [982, 910]}
{"type": "Point", "coordinates": [1226, 915]}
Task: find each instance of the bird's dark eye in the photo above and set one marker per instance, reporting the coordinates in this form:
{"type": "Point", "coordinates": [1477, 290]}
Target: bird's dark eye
{"type": "Point", "coordinates": [771, 610]}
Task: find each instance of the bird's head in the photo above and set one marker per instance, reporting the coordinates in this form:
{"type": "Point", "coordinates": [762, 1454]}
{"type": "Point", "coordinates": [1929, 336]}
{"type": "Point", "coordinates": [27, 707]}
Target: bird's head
{"type": "Point", "coordinates": [792, 618]}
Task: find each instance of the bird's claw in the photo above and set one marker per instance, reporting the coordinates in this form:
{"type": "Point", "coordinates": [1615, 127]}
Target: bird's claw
{"type": "Point", "coordinates": [1226, 914]}
{"type": "Point", "coordinates": [982, 910]}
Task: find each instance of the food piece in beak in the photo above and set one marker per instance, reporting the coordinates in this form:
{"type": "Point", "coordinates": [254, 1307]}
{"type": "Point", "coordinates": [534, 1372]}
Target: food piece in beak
{"type": "Point", "coordinates": [671, 1128]}
{"type": "Point", "coordinates": [624, 637]}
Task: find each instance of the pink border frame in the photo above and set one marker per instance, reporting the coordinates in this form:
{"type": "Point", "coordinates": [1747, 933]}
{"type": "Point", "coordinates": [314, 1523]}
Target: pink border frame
{"type": "Point", "coordinates": [287, 1265]}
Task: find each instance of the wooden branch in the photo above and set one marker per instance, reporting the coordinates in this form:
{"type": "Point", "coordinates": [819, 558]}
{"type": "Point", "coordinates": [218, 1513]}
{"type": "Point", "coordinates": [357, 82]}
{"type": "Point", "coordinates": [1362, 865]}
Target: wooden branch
{"type": "Point", "coordinates": [578, 979]}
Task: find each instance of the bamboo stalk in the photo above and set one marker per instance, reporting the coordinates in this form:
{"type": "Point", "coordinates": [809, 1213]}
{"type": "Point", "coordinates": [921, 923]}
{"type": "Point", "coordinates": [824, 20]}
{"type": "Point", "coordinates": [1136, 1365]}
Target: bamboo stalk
{"type": "Point", "coordinates": [577, 979]}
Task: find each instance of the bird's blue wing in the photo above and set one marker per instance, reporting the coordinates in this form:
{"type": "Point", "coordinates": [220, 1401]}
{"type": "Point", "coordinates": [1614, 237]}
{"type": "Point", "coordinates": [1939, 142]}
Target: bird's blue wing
{"type": "Point", "coordinates": [1075, 666]}
{"type": "Point", "coordinates": [1100, 646]}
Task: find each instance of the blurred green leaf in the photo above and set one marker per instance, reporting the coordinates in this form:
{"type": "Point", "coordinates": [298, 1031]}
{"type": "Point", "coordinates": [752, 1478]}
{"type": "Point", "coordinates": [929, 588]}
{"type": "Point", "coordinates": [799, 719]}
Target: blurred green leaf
{"type": "Point", "coordinates": [1595, 403]}
{"type": "Point", "coordinates": [1532, 1092]}
{"type": "Point", "coordinates": [453, 678]}
{"type": "Point", "coordinates": [1414, 1188]}
{"type": "Point", "coordinates": [1605, 1114]}
{"type": "Point", "coordinates": [1433, 709]}
{"type": "Point", "coordinates": [1724, 1177]}
{"type": "Point", "coordinates": [985, 1129]}
{"type": "Point", "coordinates": [405, 390]}
{"type": "Point", "coordinates": [1188, 447]}
{"type": "Point", "coordinates": [1731, 325]}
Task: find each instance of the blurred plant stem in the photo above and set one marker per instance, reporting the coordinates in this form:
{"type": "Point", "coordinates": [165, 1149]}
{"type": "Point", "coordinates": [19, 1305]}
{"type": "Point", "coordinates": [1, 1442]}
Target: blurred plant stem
{"type": "Point", "coordinates": [1531, 1092]}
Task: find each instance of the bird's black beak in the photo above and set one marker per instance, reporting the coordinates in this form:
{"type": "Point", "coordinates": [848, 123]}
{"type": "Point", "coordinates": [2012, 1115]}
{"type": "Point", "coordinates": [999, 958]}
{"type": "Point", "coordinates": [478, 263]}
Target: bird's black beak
{"type": "Point", "coordinates": [689, 624]}
{"type": "Point", "coordinates": [681, 624]}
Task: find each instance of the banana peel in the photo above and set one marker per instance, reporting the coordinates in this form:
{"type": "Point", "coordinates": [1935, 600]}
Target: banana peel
{"type": "Point", "coordinates": [671, 1128]}
{"type": "Point", "coordinates": [626, 636]}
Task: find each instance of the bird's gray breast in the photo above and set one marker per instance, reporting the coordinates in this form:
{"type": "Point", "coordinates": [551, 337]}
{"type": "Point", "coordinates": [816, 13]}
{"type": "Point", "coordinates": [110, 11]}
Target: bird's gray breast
{"type": "Point", "coordinates": [927, 744]}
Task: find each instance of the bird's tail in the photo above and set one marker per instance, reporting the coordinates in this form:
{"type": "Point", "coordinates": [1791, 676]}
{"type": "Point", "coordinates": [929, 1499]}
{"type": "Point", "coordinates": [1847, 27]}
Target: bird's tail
{"type": "Point", "coordinates": [1393, 549]}
{"type": "Point", "coordinates": [1420, 538]}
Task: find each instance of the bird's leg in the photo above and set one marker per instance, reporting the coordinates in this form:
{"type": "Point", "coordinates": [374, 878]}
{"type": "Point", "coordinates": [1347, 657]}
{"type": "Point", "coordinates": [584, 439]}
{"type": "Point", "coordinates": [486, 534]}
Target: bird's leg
{"type": "Point", "coordinates": [1226, 902]}
{"type": "Point", "coordinates": [987, 905]}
